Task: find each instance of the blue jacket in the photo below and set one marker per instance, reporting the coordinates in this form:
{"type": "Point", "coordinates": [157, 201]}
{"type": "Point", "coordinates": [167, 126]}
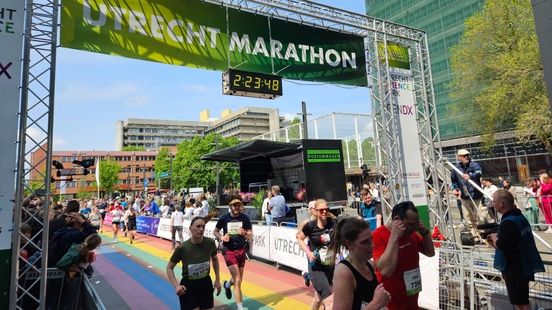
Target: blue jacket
{"type": "Point", "coordinates": [473, 169]}
{"type": "Point", "coordinates": [154, 208]}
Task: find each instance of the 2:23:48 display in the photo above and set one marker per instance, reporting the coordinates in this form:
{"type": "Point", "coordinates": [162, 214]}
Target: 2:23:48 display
{"type": "Point", "coordinates": [256, 82]}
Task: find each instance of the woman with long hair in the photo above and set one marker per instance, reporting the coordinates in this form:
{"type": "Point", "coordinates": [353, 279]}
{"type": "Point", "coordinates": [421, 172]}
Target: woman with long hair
{"type": "Point", "coordinates": [355, 282]}
{"type": "Point", "coordinates": [197, 254]}
{"type": "Point", "coordinates": [95, 218]}
{"type": "Point", "coordinates": [321, 263]}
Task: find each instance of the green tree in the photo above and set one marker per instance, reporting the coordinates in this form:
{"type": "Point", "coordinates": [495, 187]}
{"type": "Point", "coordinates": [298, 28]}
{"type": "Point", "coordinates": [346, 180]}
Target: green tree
{"type": "Point", "coordinates": [498, 77]}
{"type": "Point", "coordinates": [294, 129]}
{"type": "Point", "coordinates": [109, 175]}
{"type": "Point", "coordinates": [368, 152]}
{"type": "Point", "coordinates": [162, 165]}
{"type": "Point", "coordinates": [190, 171]}
{"type": "Point", "coordinates": [133, 148]}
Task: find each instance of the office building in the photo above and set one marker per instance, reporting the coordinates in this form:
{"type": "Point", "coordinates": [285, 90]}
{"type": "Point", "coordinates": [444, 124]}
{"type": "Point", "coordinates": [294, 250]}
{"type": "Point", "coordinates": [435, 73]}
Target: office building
{"type": "Point", "coordinates": [243, 124]}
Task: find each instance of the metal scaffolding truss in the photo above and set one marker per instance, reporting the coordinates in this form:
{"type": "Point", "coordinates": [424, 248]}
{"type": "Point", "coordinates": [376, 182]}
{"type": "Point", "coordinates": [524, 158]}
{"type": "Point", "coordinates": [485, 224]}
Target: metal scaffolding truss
{"type": "Point", "coordinates": [35, 132]}
{"type": "Point", "coordinates": [37, 107]}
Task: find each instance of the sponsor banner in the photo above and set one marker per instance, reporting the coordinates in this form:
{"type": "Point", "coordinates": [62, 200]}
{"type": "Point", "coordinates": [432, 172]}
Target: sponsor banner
{"type": "Point", "coordinates": [286, 248]}
{"type": "Point", "coordinates": [147, 225]}
{"type": "Point", "coordinates": [402, 104]}
{"type": "Point", "coordinates": [11, 52]}
{"type": "Point", "coordinates": [197, 34]}
{"type": "Point", "coordinates": [260, 243]}
{"type": "Point", "coordinates": [164, 229]}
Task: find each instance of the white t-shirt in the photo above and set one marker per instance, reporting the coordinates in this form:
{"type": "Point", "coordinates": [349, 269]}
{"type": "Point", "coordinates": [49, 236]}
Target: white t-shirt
{"type": "Point", "coordinates": [165, 211]}
{"type": "Point", "coordinates": [266, 201]}
{"type": "Point", "coordinates": [198, 212]}
{"type": "Point", "coordinates": [188, 213]}
{"type": "Point", "coordinates": [177, 218]}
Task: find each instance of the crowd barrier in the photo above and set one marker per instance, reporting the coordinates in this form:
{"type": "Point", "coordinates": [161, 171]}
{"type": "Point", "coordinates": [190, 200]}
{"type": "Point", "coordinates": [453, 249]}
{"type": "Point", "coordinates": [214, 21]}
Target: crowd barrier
{"type": "Point", "coordinates": [278, 244]}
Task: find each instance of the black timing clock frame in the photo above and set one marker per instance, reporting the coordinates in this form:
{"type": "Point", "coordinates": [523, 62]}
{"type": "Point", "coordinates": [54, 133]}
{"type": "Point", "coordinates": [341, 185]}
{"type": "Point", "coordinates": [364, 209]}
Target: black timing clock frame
{"type": "Point", "coordinates": [251, 84]}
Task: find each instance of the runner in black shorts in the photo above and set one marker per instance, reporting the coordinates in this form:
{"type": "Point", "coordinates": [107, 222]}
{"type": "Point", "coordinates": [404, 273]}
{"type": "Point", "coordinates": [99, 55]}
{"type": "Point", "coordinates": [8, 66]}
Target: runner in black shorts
{"type": "Point", "coordinates": [237, 229]}
{"type": "Point", "coordinates": [130, 219]}
{"type": "Point", "coordinates": [321, 261]}
{"type": "Point", "coordinates": [102, 206]}
{"type": "Point", "coordinates": [195, 290]}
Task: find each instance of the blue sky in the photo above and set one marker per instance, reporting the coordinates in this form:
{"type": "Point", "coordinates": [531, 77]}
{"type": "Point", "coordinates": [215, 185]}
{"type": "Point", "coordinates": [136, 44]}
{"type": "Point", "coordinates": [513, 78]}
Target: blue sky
{"type": "Point", "coordinates": [94, 91]}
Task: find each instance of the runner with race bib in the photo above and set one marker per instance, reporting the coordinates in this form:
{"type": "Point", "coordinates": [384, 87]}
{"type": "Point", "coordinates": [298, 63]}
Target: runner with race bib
{"type": "Point", "coordinates": [195, 289]}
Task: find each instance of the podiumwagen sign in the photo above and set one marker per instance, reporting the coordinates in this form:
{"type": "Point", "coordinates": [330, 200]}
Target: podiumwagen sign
{"type": "Point", "coordinates": [197, 34]}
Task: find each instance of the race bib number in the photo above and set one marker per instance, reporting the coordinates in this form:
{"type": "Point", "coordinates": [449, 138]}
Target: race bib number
{"type": "Point", "coordinates": [198, 271]}
{"type": "Point", "coordinates": [413, 281]}
{"type": "Point", "coordinates": [233, 228]}
{"type": "Point", "coordinates": [325, 256]}
{"type": "Point", "coordinates": [325, 238]}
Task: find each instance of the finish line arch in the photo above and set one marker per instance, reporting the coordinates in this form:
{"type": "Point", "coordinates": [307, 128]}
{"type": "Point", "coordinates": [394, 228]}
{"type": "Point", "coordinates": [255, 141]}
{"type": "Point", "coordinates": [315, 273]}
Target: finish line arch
{"type": "Point", "coordinates": [397, 60]}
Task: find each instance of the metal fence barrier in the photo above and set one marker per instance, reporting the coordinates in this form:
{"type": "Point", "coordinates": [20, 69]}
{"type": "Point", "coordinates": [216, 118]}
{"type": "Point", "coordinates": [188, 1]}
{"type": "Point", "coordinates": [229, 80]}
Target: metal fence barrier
{"type": "Point", "coordinates": [468, 280]}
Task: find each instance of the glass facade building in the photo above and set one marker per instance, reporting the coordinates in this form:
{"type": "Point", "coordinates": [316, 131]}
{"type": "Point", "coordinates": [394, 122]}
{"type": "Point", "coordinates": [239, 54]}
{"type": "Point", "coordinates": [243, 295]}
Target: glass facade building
{"type": "Point", "coordinates": [443, 20]}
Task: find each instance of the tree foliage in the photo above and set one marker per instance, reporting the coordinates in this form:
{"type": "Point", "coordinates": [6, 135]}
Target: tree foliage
{"type": "Point", "coordinates": [498, 77]}
{"type": "Point", "coordinates": [294, 129]}
{"type": "Point", "coordinates": [133, 148]}
{"type": "Point", "coordinates": [163, 165]}
{"type": "Point", "coordinates": [190, 171]}
{"type": "Point", "coordinates": [368, 152]}
{"type": "Point", "coordinates": [109, 174]}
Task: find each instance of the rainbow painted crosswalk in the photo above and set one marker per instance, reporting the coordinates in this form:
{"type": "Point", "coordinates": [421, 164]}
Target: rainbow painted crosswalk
{"type": "Point", "coordinates": [133, 277]}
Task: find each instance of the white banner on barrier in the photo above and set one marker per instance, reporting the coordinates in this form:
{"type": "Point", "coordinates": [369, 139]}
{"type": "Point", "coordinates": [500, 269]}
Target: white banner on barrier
{"type": "Point", "coordinates": [164, 229]}
{"type": "Point", "coordinates": [286, 248]}
{"type": "Point", "coordinates": [260, 245]}
{"type": "Point", "coordinates": [429, 296]}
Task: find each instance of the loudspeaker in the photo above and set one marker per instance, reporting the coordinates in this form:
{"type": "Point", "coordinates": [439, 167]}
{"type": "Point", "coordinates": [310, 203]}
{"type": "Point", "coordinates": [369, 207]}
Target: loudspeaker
{"type": "Point", "coordinates": [302, 176]}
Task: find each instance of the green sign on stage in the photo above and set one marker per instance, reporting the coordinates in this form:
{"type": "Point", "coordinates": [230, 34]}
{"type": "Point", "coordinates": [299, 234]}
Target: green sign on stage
{"type": "Point", "coordinates": [323, 156]}
{"type": "Point", "coordinates": [196, 34]}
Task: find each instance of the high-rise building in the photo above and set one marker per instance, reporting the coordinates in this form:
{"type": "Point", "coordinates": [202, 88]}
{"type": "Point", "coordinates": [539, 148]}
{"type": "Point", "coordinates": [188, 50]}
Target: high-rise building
{"type": "Point", "coordinates": [443, 20]}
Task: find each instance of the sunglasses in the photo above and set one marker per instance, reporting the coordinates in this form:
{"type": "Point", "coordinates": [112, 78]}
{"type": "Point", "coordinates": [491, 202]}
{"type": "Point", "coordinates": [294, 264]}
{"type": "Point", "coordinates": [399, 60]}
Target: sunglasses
{"type": "Point", "coordinates": [236, 205]}
{"type": "Point", "coordinates": [323, 210]}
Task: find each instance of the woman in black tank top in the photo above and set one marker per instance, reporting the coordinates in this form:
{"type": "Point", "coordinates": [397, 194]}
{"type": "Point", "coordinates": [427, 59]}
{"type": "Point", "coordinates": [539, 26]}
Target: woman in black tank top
{"type": "Point", "coordinates": [355, 284]}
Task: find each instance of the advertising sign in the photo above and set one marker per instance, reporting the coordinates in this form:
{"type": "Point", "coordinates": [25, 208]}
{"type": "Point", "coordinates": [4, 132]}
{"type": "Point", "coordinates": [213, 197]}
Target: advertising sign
{"type": "Point", "coordinates": [403, 104]}
{"type": "Point", "coordinates": [11, 52]}
{"type": "Point", "coordinates": [196, 34]}
{"type": "Point", "coordinates": [286, 248]}
{"type": "Point", "coordinates": [260, 245]}
{"type": "Point", "coordinates": [145, 224]}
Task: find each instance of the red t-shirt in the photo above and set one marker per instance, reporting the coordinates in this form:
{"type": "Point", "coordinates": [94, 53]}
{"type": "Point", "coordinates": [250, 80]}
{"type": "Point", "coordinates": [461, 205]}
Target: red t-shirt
{"type": "Point", "coordinates": [409, 259]}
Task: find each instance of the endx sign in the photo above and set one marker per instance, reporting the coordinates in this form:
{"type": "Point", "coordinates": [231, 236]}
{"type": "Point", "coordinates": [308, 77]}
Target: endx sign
{"type": "Point", "coordinates": [4, 69]}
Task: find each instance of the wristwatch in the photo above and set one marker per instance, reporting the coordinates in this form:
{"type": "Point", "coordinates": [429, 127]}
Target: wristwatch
{"type": "Point", "coordinates": [427, 232]}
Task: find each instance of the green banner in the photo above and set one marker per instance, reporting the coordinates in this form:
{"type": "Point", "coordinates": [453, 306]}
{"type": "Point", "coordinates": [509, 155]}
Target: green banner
{"type": "Point", "coordinates": [398, 55]}
{"type": "Point", "coordinates": [196, 34]}
{"type": "Point", "coordinates": [323, 156]}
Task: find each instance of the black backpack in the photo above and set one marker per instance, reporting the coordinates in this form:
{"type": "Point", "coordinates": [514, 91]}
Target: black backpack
{"type": "Point", "coordinates": [55, 252]}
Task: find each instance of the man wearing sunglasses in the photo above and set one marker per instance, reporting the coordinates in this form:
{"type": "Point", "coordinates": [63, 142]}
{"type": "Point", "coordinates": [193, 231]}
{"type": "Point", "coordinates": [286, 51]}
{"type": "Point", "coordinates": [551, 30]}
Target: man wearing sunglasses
{"type": "Point", "coordinates": [237, 230]}
{"type": "Point", "coordinates": [396, 248]}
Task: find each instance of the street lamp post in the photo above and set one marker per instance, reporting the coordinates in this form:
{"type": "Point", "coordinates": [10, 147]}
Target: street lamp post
{"type": "Point", "coordinates": [217, 173]}
{"type": "Point", "coordinates": [171, 172]}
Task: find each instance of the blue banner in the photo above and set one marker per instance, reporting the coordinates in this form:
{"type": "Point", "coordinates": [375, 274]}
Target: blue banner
{"type": "Point", "coordinates": [147, 225]}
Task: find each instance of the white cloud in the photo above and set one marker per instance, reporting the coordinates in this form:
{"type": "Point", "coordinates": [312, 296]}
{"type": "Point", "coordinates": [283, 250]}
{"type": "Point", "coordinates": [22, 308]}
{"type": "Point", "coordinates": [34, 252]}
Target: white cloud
{"type": "Point", "coordinates": [59, 142]}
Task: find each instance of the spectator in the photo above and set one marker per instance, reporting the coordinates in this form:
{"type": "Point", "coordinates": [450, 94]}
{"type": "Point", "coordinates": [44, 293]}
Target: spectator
{"type": "Point", "coordinates": [530, 205]}
{"type": "Point", "coordinates": [370, 210]}
{"type": "Point", "coordinates": [165, 208]}
{"type": "Point", "coordinates": [512, 189]}
{"type": "Point", "coordinates": [471, 197]}
{"type": "Point", "coordinates": [177, 219]}
{"type": "Point", "coordinates": [545, 201]}
{"type": "Point", "coordinates": [60, 223]}
{"type": "Point", "coordinates": [277, 205]}
{"type": "Point", "coordinates": [516, 255]}
{"type": "Point", "coordinates": [396, 247]}
{"type": "Point", "coordinates": [500, 182]}
{"type": "Point", "coordinates": [267, 216]}
{"type": "Point", "coordinates": [154, 208]}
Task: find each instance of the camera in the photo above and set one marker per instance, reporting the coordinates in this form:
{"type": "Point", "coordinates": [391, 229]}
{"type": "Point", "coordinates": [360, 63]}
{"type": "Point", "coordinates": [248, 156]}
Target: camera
{"type": "Point", "coordinates": [490, 228]}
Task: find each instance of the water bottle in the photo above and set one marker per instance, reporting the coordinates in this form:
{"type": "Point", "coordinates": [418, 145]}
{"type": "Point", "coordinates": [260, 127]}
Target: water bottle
{"type": "Point", "coordinates": [315, 255]}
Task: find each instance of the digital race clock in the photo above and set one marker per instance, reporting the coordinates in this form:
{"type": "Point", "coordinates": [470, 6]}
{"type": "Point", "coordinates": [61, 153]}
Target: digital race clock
{"type": "Point", "coordinates": [251, 84]}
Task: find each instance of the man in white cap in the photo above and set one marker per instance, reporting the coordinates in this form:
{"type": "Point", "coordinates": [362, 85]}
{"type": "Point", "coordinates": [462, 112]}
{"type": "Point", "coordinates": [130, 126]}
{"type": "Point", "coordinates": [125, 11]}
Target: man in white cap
{"type": "Point", "coordinates": [471, 197]}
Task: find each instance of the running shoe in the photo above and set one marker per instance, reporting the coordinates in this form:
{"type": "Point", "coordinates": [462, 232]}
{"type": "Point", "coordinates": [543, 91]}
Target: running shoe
{"type": "Point", "coordinates": [227, 290]}
{"type": "Point", "coordinates": [306, 278]}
